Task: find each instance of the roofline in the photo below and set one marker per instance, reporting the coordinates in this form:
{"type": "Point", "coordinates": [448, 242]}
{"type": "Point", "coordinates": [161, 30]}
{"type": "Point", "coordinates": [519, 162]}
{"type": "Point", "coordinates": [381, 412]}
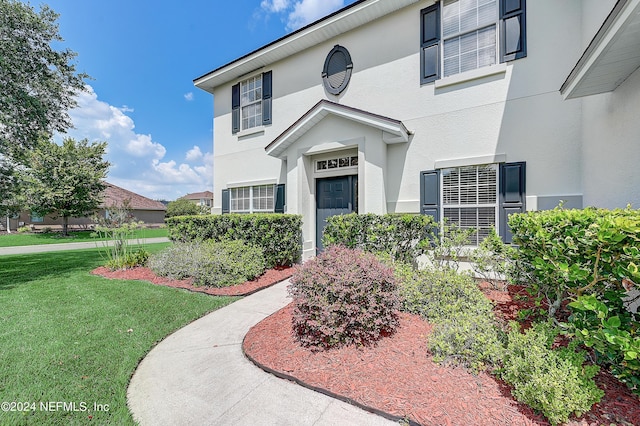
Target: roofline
{"type": "Point", "coordinates": [395, 129]}
{"type": "Point", "coordinates": [595, 43]}
{"type": "Point", "coordinates": [299, 30]}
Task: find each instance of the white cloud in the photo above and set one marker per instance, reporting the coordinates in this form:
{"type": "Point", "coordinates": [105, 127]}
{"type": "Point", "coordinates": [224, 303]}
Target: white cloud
{"type": "Point", "coordinates": [188, 96]}
{"type": "Point", "coordinates": [138, 162]}
{"type": "Point", "coordinates": [274, 5]}
{"type": "Point", "coordinates": [297, 14]}
{"type": "Point", "coordinates": [307, 11]}
{"type": "Point", "coordinates": [194, 154]}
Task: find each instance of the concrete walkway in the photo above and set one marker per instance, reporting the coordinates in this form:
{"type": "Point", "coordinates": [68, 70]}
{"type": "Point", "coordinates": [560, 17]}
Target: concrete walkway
{"type": "Point", "coordinates": [199, 376]}
{"type": "Point", "coordinates": [42, 248]}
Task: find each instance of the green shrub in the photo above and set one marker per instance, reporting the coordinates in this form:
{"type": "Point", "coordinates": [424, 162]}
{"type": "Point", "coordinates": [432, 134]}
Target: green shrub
{"type": "Point", "coordinates": [467, 339]}
{"type": "Point", "coordinates": [573, 252]}
{"type": "Point", "coordinates": [210, 263]}
{"type": "Point", "coordinates": [493, 260]}
{"type": "Point", "coordinates": [398, 235]}
{"type": "Point", "coordinates": [555, 382]}
{"type": "Point", "coordinates": [278, 235]}
{"type": "Point", "coordinates": [130, 259]}
{"type": "Point", "coordinates": [178, 261]}
{"type": "Point", "coordinates": [615, 339]}
{"type": "Point", "coordinates": [438, 294]}
{"type": "Point", "coordinates": [184, 207]}
{"type": "Point", "coordinates": [342, 297]}
{"type": "Point", "coordinates": [465, 330]}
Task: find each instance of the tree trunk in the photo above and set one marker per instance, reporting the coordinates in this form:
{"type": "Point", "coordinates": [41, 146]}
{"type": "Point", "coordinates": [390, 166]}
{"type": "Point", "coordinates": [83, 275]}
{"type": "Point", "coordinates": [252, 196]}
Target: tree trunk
{"type": "Point", "coordinates": [8, 225]}
{"type": "Point", "coordinates": [65, 226]}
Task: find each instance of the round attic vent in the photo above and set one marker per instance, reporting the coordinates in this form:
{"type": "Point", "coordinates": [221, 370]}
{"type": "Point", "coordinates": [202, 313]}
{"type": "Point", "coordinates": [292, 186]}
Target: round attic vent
{"type": "Point", "coordinates": [337, 70]}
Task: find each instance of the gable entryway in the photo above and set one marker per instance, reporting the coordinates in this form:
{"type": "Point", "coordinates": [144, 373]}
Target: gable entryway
{"type": "Point", "coordinates": [334, 196]}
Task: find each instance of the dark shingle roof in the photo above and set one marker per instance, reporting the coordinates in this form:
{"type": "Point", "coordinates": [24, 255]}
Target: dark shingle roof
{"type": "Point", "coordinates": [115, 196]}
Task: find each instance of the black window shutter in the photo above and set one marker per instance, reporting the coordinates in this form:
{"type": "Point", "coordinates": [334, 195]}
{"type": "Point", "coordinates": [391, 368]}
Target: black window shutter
{"type": "Point", "coordinates": [430, 194]}
{"type": "Point", "coordinates": [279, 198]}
{"type": "Point", "coordinates": [226, 201]}
{"type": "Point", "coordinates": [235, 108]}
{"type": "Point", "coordinates": [266, 97]}
{"type": "Point", "coordinates": [512, 195]}
{"type": "Point", "coordinates": [430, 44]}
{"type": "Point", "coordinates": [513, 30]}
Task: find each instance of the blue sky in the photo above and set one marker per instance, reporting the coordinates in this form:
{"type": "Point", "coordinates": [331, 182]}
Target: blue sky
{"type": "Point", "coordinates": [143, 56]}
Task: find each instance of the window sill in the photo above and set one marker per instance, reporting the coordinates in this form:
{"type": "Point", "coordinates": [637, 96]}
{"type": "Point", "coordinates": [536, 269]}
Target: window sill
{"type": "Point", "coordinates": [250, 132]}
{"type": "Point", "coordinates": [471, 75]}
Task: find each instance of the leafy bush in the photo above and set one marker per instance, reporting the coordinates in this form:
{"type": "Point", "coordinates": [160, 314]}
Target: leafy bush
{"type": "Point", "coordinates": [465, 330]}
{"type": "Point", "coordinates": [278, 235]}
{"type": "Point", "coordinates": [184, 207]}
{"type": "Point", "coordinates": [342, 297]}
{"type": "Point", "coordinates": [493, 260]}
{"type": "Point", "coordinates": [178, 261]}
{"type": "Point", "coordinates": [130, 259]}
{"type": "Point", "coordinates": [398, 235]}
{"type": "Point", "coordinates": [555, 382]}
{"type": "Point", "coordinates": [614, 338]}
{"type": "Point", "coordinates": [210, 263]}
{"type": "Point", "coordinates": [466, 339]}
{"type": "Point", "coordinates": [572, 252]}
{"type": "Point", "coordinates": [116, 230]}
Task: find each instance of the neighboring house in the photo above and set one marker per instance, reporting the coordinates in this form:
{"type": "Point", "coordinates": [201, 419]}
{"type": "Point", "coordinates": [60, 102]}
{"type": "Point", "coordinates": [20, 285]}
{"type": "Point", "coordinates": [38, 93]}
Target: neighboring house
{"type": "Point", "coordinates": [204, 199]}
{"type": "Point", "coordinates": [142, 208]}
{"type": "Point", "coordinates": [468, 110]}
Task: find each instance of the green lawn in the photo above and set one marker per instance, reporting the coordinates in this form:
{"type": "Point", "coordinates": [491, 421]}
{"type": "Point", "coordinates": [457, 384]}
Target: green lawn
{"type": "Point", "coordinates": [16, 239]}
{"type": "Point", "coordinates": [67, 336]}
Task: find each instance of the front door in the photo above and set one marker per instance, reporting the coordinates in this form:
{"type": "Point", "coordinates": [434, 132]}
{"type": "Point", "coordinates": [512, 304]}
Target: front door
{"type": "Point", "coordinates": [336, 195]}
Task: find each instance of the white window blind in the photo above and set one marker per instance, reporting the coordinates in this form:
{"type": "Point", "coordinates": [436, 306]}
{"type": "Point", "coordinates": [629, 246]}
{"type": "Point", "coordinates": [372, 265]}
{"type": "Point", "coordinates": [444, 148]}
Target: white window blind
{"type": "Point", "coordinates": [252, 199]}
{"type": "Point", "coordinates": [470, 198]}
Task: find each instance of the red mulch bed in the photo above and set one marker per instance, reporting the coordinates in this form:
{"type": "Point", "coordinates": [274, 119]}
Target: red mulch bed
{"type": "Point", "coordinates": [397, 378]}
{"type": "Point", "coordinates": [269, 278]}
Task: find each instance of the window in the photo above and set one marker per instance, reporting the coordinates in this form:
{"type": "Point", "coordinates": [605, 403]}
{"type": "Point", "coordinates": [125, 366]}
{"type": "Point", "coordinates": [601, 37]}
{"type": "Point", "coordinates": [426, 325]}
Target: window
{"type": "Point", "coordinates": [470, 198]}
{"type": "Point", "coordinates": [463, 35]}
{"type": "Point", "coordinates": [251, 102]}
{"type": "Point", "coordinates": [336, 163]}
{"type": "Point", "coordinates": [475, 197]}
{"type": "Point", "coordinates": [36, 218]}
{"type": "Point", "coordinates": [252, 199]}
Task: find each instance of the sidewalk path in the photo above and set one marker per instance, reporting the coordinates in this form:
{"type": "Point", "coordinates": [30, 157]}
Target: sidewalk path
{"type": "Point", "coordinates": [42, 248]}
{"type": "Point", "coordinates": [200, 376]}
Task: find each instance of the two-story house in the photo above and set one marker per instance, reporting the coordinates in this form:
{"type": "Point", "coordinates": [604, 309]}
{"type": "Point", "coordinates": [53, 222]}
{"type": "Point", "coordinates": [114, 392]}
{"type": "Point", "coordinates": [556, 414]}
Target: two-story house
{"type": "Point", "coordinates": [467, 110]}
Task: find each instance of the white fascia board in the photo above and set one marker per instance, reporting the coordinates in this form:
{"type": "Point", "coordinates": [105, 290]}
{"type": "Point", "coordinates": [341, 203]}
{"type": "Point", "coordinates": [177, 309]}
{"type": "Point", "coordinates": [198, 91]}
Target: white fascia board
{"type": "Point", "coordinates": [318, 32]}
{"type": "Point", "coordinates": [623, 13]}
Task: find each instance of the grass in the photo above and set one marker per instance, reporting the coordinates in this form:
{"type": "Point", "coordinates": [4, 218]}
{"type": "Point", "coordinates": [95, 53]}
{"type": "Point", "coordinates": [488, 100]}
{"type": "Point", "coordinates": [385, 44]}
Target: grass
{"type": "Point", "coordinates": [31, 239]}
{"type": "Point", "coordinates": [70, 337]}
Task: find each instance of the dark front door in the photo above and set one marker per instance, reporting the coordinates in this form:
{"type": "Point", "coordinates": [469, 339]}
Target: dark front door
{"type": "Point", "coordinates": [338, 195]}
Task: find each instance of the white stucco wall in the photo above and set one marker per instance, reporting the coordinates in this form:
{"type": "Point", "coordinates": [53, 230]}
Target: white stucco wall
{"type": "Point", "coordinates": [611, 147]}
{"type": "Point", "coordinates": [511, 112]}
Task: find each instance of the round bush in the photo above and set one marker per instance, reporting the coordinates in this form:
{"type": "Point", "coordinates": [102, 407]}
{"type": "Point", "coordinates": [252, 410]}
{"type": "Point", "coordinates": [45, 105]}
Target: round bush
{"type": "Point", "coordinates": [342, 297]}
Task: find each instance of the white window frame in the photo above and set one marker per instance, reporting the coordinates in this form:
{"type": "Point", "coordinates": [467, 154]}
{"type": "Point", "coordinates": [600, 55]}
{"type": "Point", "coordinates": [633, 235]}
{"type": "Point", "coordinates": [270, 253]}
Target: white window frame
{"type": "Point", "coordinates": [459, 205]}
{"type": "Point", "coordinates": [247, 104]}
{"type": "Point", "coordinates": [445, 38]}
{"type": "Point", "coordinates": [255, 196]}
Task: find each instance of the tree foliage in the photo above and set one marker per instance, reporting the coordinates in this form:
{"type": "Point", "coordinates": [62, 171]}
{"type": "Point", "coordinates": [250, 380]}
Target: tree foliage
{"type": "Point", "coordinates": [184, 207]}
{"type": "Point", "coordinates": [66, 180]}
{"type": "Point", "coordinates": [39, 83]}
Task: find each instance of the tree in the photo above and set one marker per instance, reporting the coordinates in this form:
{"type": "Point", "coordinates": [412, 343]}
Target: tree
{"type": "Point", "coordinates": [66, 180]}
{"type": "Point", "coordinates": [38, 83]}
{"type": "Point", "coordinates": [184, 207]}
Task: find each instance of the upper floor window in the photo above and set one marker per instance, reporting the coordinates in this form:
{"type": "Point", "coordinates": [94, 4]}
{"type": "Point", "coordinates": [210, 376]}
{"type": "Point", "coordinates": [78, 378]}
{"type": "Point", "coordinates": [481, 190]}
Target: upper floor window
{"type": "Point", "coordinates": [462, 35]}
{"type": "Point", "coordinates": [251, 102]}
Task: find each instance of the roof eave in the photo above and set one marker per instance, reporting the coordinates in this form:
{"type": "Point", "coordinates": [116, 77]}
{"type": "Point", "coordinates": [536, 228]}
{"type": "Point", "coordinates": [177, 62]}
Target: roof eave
{"type": "Point", "coordinates": [393, 131]}
{"type": "Point", "coordinates": [339, 22]}
{"type": "Point", "coordinates": [587, 77]}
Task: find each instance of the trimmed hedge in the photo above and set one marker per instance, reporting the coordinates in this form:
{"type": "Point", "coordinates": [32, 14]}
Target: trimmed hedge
{"type": "Point", "coordinates": [397, 234]}
{"type": "Point", "coordinates": [575, 252]}
{"type": "Point", "coordinates": [278, 235]}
